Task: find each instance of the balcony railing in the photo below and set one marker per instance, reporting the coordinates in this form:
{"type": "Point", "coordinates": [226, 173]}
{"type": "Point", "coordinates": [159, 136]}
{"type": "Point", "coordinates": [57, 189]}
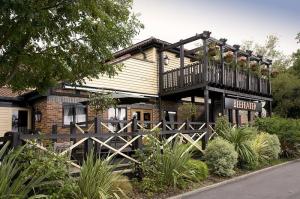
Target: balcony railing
{"type": "Point", "coordinates": [193, 75]}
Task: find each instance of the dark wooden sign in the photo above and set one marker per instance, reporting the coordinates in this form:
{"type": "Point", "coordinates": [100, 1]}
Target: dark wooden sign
{"type": "Point", "coordinates": [231, 103]}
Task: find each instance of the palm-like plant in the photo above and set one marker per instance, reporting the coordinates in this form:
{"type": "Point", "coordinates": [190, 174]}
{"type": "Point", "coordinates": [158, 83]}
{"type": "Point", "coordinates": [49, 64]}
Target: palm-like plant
{"type": "Point", "coordinates": [97, 180]}
{"type": "Point", "coordinates": [16, 182]}
{"type": "Point", "coordinates": [241, 139]}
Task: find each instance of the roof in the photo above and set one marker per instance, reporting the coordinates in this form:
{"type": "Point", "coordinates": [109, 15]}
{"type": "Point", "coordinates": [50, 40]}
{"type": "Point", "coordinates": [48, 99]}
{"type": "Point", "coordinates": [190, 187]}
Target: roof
{"type": "Point", "coordinates": [8, 92]}
{"type": "Point", "coordinates": [141, 45]}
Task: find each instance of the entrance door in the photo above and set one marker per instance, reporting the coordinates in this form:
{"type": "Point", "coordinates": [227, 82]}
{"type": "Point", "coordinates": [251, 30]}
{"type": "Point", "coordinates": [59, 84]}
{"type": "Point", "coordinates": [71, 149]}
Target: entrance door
{"type": "Point", "coordinates": [143, 116]}
{"type": "Point", "coordinates": [20, 120]}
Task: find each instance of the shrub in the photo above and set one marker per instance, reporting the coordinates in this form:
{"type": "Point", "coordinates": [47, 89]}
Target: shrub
{"type": "Point", "coordinates": [221, 157]}
{"type": "Point", "coordinates": [198, 168]}
{"type": "Point", "coordinates": [97, 180]}
{"type": "Point", "coordinates": [166, 168]}
{"type": "Point", "coordinates": [241, 140]}
{"type": "Point", "coordinates": [57, 169]}
{"type": "Point", "coordinates": [287, 130]}
{"type": "Point", "coordinates": [17, 182]}
{"type": "Point", "coordinates": [266, 146]}
{"type": "Point", "coordinates": [222, 125]}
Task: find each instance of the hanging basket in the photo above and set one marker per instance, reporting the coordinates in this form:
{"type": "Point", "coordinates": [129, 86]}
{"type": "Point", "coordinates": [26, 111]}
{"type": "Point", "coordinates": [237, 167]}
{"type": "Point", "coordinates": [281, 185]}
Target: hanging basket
{"type": "Point", "coordinates": [254, 66]}
{"type": "Point", "coordinates": [242, 61]}
{"type": "Point", "coordinates": [228, 57]}
{"type": "Point", "coordinates": [265, 71]}
{"type": "Point", "coordinates": [212, 49]}
{"type": "Point", "coordinates": [274, 73]}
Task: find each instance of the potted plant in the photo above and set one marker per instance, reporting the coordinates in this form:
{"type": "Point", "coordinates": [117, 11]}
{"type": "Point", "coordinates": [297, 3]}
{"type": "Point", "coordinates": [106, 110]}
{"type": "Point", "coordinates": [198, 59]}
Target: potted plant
{"type": "Point", "coordinates": [212, 49]}
{"type": "Point", "coordinates": [242, 61]}
{"type": "Point", "coordinates": [228, 57]}
{"type": "Point", "coordinates": [253, 65]}
{"type": "Point", "coordinates": [264, 71]}
{"type": "Point", "coordinates": [274, 73]}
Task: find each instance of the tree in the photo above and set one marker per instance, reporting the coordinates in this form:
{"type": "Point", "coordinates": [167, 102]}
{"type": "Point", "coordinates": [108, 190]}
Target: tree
{"type": "Point", "coordinates": [43, 43]}
{"type": "Point", "coordinates": [269, 50]}
{"type": "Point", "coordinates": [99, 102]}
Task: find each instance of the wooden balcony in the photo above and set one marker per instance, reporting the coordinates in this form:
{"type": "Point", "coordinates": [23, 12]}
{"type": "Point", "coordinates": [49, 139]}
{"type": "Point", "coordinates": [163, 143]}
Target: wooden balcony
{"type": "Point", "coordinates": [195, 76]}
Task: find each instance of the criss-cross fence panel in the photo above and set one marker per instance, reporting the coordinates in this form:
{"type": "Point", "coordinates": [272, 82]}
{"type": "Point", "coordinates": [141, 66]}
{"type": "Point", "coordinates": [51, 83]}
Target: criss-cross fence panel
{"type": "Point", "coordinates": [130, 135]}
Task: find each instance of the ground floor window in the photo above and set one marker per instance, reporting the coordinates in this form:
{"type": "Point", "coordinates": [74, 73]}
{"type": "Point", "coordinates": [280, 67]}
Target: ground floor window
{"type": "Point", "coordinates": [117, 114]}
{"type": "Point", "coordinates": [76, 113]}
{"type": "Point", "coordinates": [171, 116]}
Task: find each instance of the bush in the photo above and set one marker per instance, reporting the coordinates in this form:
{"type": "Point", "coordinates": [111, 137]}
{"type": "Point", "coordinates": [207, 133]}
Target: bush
{"type": "Point", "coordinates": [222, 124]}
{"type": "Point", "coordinates": [267, 147]}
{"type": "Point", "coordinates": [221, 157]}
{"type": "Point", "coordinates": [97, 180]}
{"type": "Point", "coordinates": [287, 130]}
{"type": "Point", "coordinates": [166, 168]}
{"type": "Point", "coordinates": [241, 140]}
{"type": "Point", "coordinates": [18, 182]}
{"type": "Point", "coordinates": [199, 169]}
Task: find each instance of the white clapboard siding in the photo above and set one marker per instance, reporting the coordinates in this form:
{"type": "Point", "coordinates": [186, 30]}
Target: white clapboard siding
{"type": "Point", "coordinates": [150, 55]}
{"type": "Point", "coordinates": [136, 76]}
{"type": "Point", "coordinates": [5, 120]}
{"type": "Point", "coordinates": [174, 62]}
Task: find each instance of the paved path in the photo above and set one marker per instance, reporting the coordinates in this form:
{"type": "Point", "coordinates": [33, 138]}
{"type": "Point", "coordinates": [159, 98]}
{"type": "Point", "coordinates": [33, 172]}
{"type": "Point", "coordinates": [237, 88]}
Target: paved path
{"type": "Point", "coordinates": [279, 183]}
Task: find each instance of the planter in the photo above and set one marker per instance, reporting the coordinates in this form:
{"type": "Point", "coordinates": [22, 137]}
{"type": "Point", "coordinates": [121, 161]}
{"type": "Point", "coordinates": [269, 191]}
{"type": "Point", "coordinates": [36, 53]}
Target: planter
{"type": "Point", "coordinates": [228, 57]}
{"type": "Point", "coordinates": [242, 61]}
{"type": "Point", "coordinates": [265, 71]}
{"type": "Point", "coordinates": [212, 49]}
{"type": "Point", "coordinates": [254, 66]}
{"type": "Point", "coordinates": [274, 73]}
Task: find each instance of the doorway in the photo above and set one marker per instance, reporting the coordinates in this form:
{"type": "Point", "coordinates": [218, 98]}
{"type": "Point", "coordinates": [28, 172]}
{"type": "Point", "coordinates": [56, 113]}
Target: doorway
{"type": "Point", "coordinates": [143, 116]}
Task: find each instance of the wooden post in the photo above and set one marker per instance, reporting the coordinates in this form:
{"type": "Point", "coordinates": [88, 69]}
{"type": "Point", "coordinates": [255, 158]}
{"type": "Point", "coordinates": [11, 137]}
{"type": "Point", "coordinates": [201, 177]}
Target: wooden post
{"type": "Point", "coordinates": [16, 139]}
{"type": "Point", "coordinates": [72, 132]}
{"type": "Point", "coordinates": [237, 47]}
{"type": "Point", "coordinates": [181, 66]}
{"type": "Point", "coordinates": [222, 60]}
{"type": "Point", "coordinates": [88, 146]}
{"type": "Point", "coordinates": [97, 128]}
{"type": "Point", "coordinates": [205, 69]}
{"type": "Point", "coordinates": [206, 107]}
{"type": "Point", "coordinates": [270, 109]}
{"type": "Point", "coordinates": [54, 132]}
{"type": "Point", "coordinates": [223, 103]}
{"type": "Point", "coordinates": [249, 52]}
{"type": "Point", "coordinates": [137, 144]}
{"type": "Point", "coordinates": [269, 79]}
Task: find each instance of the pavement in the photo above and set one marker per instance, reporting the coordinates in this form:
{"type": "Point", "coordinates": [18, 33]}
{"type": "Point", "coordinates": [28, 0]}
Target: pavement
{"type": "Point", "coordinates": [279, 182]}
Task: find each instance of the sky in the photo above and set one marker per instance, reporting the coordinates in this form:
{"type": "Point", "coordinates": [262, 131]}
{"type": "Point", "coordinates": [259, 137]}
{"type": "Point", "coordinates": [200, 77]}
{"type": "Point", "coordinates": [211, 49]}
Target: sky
{"type": "Point", "coordinates": [235, 20]}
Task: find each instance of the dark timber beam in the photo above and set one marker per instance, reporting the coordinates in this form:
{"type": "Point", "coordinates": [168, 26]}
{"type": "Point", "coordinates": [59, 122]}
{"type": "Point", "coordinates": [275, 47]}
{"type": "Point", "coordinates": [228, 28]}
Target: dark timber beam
{"type": "Point", "coordinates": [205, 34]}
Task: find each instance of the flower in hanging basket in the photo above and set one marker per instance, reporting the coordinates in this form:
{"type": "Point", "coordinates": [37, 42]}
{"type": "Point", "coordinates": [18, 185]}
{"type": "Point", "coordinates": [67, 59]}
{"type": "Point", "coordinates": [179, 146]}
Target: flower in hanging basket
{"type": "Point", "coordinates": [274, 73]}
{"type": "Point", "coordinates": [265, 71]}
{"type": "Point", "coordinates": [242, 61]}
{"type": "Point", "coordinates": [212, 49]}
{"type": "Point", "coordinates": [228, 57]}
{"type": "Point", "coordinates": [253, 66]}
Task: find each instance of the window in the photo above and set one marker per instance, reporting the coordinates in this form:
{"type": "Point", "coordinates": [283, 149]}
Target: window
{"type": "Point", "coordinates": [171, 116]}
{"type": "Point", "coordinates": [74, 113]}
{"type": "Point", "coordinates": [116, 114]}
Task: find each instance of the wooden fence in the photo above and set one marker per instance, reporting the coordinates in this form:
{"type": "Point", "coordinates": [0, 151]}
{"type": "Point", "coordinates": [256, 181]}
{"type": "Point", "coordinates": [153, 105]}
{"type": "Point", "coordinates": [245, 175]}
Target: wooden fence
{"type": "Point", "coordinates": [110, 142]}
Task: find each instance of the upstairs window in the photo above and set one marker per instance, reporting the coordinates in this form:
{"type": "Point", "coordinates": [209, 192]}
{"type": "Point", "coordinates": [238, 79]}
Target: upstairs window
{"type": "Point", "coordinates": [76, 113]}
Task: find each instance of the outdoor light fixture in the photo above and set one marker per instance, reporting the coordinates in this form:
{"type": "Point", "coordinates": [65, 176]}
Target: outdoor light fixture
{"type": "Point", "coordinates": [166, 60]}
{"type": "Point", "coordinates": [38, 116]}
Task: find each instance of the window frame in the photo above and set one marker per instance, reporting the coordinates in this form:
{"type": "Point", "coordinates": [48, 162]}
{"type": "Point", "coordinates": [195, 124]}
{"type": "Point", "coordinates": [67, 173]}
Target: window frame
{"type": "Point", "coordinates": [74, 105]}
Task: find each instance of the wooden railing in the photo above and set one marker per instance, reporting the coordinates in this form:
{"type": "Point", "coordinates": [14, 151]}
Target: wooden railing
{"type": "Point", "coordinates": [192, 75]}
{"type": "Point", "coordinates": [109, 143]}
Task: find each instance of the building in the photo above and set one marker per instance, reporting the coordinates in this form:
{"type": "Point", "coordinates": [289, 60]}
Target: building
{"type": "Point", "coordinates": [157, 78]}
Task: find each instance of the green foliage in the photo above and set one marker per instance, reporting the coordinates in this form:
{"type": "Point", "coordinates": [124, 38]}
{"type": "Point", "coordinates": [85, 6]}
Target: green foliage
{"type": "Point", "coordinates": [97, 180]}
{"type": "Point", "coordinates": [187, 110]}
{"type": "Point", "coordinates": [167, 168]}
{"type": "Point", "coordinates": [241, 140]}
{"type": "Point", "coordinates": [199, 168]}
{"type": "Point", "coordinates": [59, 184]}
{"type": "Point", "coordinates": [18, 182]}
{"type": "Point", "coordinates": [55, 41]}
{"type": "Point", "coordinates": [285, 90]}
{"type": "Point", "coordinates": [287, 130]}
{"type": "Point", "coordinates": [221, 157]}
{"type": "Point", "coordinates": [267, 147]}
{"type": "Point", "coordinates": [100, 102]}
{"type": "Point", "coordinates": [222, 124]}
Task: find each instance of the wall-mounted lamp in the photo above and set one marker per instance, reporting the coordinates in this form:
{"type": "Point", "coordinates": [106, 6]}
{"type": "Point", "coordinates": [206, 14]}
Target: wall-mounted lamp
{"type": "Point", "coordinates": [38, 116]}
{"type": "Point", "coordinates": [166, 60]}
